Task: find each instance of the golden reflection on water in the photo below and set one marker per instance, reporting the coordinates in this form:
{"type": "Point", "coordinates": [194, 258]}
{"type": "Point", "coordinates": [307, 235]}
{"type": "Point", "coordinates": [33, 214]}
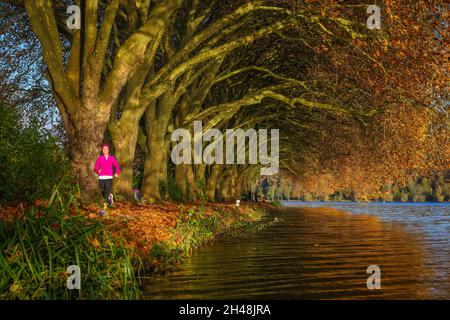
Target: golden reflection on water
{"type": "Point", "coordinates": [357, 241]}
{"type": "Point", "coordinates": [314, 253]}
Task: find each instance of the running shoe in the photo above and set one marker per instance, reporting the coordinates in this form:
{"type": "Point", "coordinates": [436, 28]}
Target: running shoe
{"type": "Point", "coordinates": [110, 199]}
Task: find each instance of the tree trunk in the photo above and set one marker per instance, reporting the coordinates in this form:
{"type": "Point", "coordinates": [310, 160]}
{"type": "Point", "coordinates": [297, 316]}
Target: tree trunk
{"type": "Point", "coordinates": [232, 185]}
{"type": "Point", "coordinates": [226, 187]}
{"type": "Point", "coordinates": [157, 122]}
{"type": "Point", "coordinates": [125, 131]}
{"type": "Point", "coordinates": [153, 165]}
{"type": "Point", "coordinates": [191, 192]}
{"type": "Point", "coordinates": [124, 134]}
{"type": "Point", "coordinates": [211, 182]}
{"type": "Point", "coordinates": [84, 150]}
{"type": "Point", "coordinates": [200, 177]}
{"type": "Point", "coordinates": [163, 178]}
{"type": "Point", "coordinates": [238, 185]}
{"type": "Point", "coordinates": [180, 179]}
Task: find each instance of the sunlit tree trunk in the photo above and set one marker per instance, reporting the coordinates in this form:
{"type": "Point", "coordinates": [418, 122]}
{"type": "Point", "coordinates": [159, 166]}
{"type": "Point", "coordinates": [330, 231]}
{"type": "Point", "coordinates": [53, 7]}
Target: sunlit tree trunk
{"type": "Point", "coordinates": [84, 149]}
{"type": "Point", "coordinates": [164, 167]}
{"type": "Point", "coordinates": [233, 185]}
{"type": "Point", "coordinates": [191, 193]}
{"type": "Point", "coordinates": [211, 182]}
{"type": "Point", "coordinates": [83, 91]}
{"type": "Point", "coordinates": [225, 189]}
{"type": "Point", "coordinates": [125, 130]}
{"type": "Point", "coordinates": [124, 136]}
{"type": "Point", "coordinates": [157, 122]}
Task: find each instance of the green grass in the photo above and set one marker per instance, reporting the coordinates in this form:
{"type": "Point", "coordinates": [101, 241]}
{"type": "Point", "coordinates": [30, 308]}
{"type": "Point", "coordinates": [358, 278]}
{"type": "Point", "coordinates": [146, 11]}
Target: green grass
{"type": "Point", "coordinates": [36, 249]}
{"type": "Point", "coordinates": [276, 203]}
{"type": "Point", "coordinates": [35, 253]}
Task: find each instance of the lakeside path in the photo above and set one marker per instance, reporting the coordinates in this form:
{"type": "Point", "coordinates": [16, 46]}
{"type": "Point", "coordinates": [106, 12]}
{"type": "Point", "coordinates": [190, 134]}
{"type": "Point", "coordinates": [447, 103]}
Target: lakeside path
{"type": "Point", "coordinates": [152, 223]}
{"type": "Point", "coordinates": [115, 249]}
{"type": "Point", "coordinates": [144, 225]}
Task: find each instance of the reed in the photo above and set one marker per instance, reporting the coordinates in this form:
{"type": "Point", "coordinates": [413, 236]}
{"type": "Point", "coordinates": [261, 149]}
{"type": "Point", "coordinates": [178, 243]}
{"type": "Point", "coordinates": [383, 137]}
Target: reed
{"type": "Point", "coordinates": [38, 246]}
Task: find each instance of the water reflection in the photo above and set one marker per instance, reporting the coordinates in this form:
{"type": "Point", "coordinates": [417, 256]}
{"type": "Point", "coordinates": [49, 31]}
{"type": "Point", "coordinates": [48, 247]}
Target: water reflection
{"type": "Point", "coordinates": [314, 253]}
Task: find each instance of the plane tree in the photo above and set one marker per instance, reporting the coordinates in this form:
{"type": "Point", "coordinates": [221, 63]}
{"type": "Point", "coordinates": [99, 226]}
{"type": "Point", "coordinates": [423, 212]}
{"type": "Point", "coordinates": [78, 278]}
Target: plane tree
{"type": "Point", "coordinates": [139, 69]}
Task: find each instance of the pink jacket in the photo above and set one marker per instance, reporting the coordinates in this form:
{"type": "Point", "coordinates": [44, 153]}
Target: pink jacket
{"type": "Point", "coordinates": [106, 165]}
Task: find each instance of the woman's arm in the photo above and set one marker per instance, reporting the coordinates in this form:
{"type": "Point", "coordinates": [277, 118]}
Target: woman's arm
{"type": "Point", "coordinates": [116, 164]}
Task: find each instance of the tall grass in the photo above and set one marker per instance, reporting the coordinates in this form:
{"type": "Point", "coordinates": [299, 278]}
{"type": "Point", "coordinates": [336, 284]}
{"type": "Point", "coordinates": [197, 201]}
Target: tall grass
{"type": "Point", "coordinates": [37, 247]}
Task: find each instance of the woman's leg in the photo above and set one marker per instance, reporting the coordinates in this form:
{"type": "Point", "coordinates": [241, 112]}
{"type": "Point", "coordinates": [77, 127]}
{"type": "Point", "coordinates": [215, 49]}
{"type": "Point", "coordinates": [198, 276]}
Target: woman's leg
{"type": "Point", "coordinates": [108, 187]}
{"type": "Point", "coordinates": [103, 189]}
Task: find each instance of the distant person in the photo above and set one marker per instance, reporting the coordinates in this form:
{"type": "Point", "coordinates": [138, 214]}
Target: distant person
{"type": "Point", "coordinates": [104, 169]}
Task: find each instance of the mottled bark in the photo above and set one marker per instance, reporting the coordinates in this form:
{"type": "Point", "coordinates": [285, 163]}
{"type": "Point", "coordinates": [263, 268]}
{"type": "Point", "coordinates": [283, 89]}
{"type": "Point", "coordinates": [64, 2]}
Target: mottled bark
{"type": "Point", "coordinates": [124, 137]}
{"type": "Point", "coordinates": [200, 175]}
{"type": "Point", "coordinates": [237, 184]}
{"type": "Point", "coordinates": [157, 122]}
{"type": "Point", "coordinates": [233, 184]}
{"type": "Point", "coordinates": [153, 165]}
{"type": "Point", "coordinates": [224, 187]}
{"type": "Point", "coordinates": [84, 148]}
{"type": "Point", "coordinates": [85, 102]}
{"type": "Point", "coordinates": [125, 131]}
{"type": "Point", "coordinates": [211, 182]}
{"type": "Point", "coordinates": [184, 179]}
{"type": "Point", "coordinates": [163, 175]}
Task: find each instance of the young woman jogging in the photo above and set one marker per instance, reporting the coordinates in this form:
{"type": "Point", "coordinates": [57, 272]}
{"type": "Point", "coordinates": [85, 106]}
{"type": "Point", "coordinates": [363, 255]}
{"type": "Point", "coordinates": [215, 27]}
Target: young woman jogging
{"type": "Point", "coordinates": [104, 169]}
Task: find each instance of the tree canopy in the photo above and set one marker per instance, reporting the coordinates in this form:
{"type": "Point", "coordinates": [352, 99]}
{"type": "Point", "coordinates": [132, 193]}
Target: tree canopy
{"type": "Point", "coordinates": [355, 107]}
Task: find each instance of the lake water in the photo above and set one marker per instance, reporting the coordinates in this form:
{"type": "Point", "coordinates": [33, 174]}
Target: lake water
{"type": "Point", "coordinates": [322, 251]}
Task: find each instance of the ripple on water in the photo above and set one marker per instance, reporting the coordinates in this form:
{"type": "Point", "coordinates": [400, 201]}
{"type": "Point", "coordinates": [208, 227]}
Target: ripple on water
{"type": "Point", "coordinates": [322, 253]}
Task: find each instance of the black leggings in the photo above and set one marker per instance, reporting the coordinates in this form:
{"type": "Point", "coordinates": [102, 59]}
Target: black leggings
{"type": "Point", "coordinates": [105, 187]}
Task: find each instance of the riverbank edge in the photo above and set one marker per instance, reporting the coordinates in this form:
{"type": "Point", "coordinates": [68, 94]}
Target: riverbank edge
{"type": "Point", "coordinates": [197, 225]}
{"type": "Point", "coordinates": [145, 238]}
{"type": "Point", "coordinates": [198, 231]}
